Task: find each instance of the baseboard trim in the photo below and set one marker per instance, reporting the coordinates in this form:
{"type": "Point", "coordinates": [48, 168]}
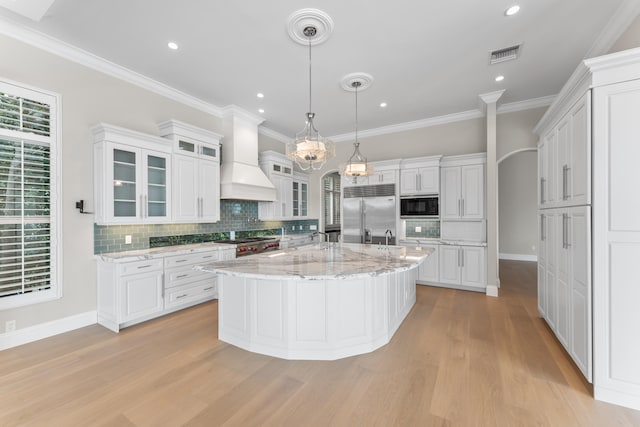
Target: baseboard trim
{"type": "Point", "coordinates": [48, 329]}
{"type": "Point", "coordinates": [519, 257]}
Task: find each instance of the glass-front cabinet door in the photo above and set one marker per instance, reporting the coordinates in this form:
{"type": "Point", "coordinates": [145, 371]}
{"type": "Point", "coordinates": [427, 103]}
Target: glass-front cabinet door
{"type": "Point", "coordinates": [125, 183]}
{"type": "Point", "coordinates": [303, 199]}
{"type": "Point", "coordinates": [139, 186]}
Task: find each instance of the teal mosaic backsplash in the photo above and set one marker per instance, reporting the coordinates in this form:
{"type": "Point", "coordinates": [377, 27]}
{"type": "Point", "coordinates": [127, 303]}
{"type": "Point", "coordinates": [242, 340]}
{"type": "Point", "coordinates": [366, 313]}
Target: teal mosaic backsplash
{"type": "Point", "coordinates": [235, 215]}
{"type": "Point", "coordinates": [428, 229]}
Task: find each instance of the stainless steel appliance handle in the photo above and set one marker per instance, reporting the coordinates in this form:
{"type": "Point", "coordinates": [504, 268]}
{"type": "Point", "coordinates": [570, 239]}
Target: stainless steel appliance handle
{"type": "Point", "coordinates": [462, 210]}
{"type": "Point", "coordinates": [458, 257]}
{"type": "Point", "coordinates": [462, 256]}
{"type": "Point", "coordinates": [565, 168]}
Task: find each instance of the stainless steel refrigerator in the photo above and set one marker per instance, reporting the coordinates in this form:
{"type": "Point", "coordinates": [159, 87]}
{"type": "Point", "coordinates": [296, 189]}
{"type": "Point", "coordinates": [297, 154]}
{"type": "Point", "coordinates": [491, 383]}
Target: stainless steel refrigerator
{"type": "Point", "coordinates": [368, 211]}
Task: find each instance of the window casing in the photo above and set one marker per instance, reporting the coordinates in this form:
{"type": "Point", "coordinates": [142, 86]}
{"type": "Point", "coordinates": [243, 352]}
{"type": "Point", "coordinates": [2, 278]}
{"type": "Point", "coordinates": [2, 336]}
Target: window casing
{"type": "Point", "coordinates": [29, 177]}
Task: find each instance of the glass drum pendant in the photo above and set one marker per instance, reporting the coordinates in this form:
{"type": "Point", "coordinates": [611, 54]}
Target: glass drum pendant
{"type": "Point", "coordinates": [309, 149]}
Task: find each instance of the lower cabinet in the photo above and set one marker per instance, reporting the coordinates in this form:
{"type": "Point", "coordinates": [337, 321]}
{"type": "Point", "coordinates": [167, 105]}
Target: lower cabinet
{"type": "Point", "coordinates": [429, 270]}
{"type": "Point", "coordinates": [564, 283]}
{"type": "Point", "coordinates": [134, 291]}
{"type": "Point", "coordinates": [463, 266]}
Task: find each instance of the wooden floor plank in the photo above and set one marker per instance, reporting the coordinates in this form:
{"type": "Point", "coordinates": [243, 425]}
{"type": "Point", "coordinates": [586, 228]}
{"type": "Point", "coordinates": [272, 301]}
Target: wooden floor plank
{"type": "Point", "coordinates": [459, 358]}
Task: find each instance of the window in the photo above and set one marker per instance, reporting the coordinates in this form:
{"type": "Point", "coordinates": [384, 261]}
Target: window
{"type": "Point", "coordinates": [28, 194]}
{"type": "Point", "coordinates": [331, 189]}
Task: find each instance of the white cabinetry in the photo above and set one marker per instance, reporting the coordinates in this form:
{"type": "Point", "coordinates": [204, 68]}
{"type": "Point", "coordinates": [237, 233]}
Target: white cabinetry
{"type": "Point", "coordinates": [132, 174]}
{"type": "Point", "coordinates": [384, 172]}
{"type": "Point", "coordinates": [279, 170]}
{"type": "Point", "coordinates": [592, 283]}
{"type": "Point", "coordinates": [429, 270]}
{"type": "Point", "coordinates": [564, 159]}
{"type": "Point", "coordinates": [300, 196]}
{"type": "Point", "coordinates": [463, 266]}
{"type": "Point", "coordinates": [131, 292]}
{"type": "Point", "coordinates": [462, 185]}
{"type": "Point", "coordinates": [196, 172]}
{"type": "Point", "coordinates": [419, 176]}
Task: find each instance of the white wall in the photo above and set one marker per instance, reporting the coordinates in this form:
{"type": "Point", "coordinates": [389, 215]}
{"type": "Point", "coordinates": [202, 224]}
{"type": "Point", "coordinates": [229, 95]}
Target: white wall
{"type": "Point", "coordinates": [517, 176]}
{"type": "Point", "coordinates": [629, 39]}
{"type": "Point", "coordinates": [88, 97]}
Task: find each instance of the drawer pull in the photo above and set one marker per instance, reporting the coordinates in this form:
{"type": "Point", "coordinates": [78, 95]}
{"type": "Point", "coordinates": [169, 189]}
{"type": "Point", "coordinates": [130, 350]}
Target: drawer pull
{"type": "Point", "coordinates": [208, 289]}
{"type": "Point", "coordinates": [181, 276]}
{"type": "Point", "coordinates": [181, 296]}
{"type": "Point", "coordinates": [208, 256]}
{"type": "Point", "coordinates": [181, 260]}
{"type": "Point", "coordinates": [144, 266]}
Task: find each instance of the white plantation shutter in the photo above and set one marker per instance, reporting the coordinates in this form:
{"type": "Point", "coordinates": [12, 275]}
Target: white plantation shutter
{"type": "Point", "coordinates": [27, 195]}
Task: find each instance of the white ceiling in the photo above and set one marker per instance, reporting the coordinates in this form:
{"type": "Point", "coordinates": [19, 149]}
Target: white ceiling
{"type": "Point", "coordinates": [428, 58]}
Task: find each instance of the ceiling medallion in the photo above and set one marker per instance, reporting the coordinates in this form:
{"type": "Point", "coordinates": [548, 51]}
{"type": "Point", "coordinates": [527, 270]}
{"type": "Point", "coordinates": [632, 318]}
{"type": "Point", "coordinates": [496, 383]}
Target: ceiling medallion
{"type": "Point", "coordinates": [301, 19]}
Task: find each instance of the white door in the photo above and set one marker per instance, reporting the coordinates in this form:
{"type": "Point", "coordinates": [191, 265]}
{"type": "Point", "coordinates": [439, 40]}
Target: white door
{"type": "Point", "coordinates": [579, 173]}
{"type": "Point", "coordinates": [473, 266]}
{"type": "Point", "coordinates": [141, 295]}
{"type": "Point", "coordinates": [553, 242]}
{"type": "Point", "coordinates": [429, 182]}
{"type": "Point", "coordinates": [581, 304]}
{"type": "Point", "coordinates": [449, 264]}
{"type": "Point", "coordinates": [408, 181]}
{"type": "Point", "coordinates": [542, 261]}
{"type": "Point", "coordinates": [209, 191]}
{"type": "Point", "coordinates": [472, 192]}
{"type": "Point", "coordinates": [450, 199]}
{"type": "Point", "coordinates": [428, 271]}
{"type": "Point", "coordinates": [185, 185]}
{"type": "Point", "coordinates": [563, 277]}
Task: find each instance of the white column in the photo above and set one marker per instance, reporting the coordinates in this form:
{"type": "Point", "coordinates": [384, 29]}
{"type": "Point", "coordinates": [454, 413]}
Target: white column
{"type": "Point", "coordinates": [493, 281]}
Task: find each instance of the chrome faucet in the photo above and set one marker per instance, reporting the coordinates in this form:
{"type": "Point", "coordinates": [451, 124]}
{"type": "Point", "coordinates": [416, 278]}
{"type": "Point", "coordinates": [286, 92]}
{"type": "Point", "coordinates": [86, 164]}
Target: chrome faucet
{"type": "Point", "coordinates": [387, 235]}
{"type": "Point", "coordinates": [317, 233]}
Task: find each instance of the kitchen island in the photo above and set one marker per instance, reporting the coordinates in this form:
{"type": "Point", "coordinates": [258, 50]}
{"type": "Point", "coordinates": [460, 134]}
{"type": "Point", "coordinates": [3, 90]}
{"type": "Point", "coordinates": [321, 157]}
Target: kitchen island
{"type": "Point", "coordinates": [317, 302]}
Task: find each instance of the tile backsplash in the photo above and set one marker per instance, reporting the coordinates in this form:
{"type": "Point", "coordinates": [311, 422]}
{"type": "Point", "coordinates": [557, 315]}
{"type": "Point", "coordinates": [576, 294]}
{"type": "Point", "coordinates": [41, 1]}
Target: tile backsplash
{"type": "Point", "coordinates": [428, 229]}
{"type": "Point", "coordinates": [235, 215]}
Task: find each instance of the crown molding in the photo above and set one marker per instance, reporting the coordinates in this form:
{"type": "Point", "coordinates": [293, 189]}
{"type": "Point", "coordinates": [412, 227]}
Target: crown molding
{"type": "Point", "coordinates": [273, 134]}
{"type": "Point", "coordinates": [618, 24]}
{"type": "Point", "coordinates": [67, 51]}
{"type": "Point", "coordinates": [528, 104]}
{"type": "Point", "coordinates": [233, 111]}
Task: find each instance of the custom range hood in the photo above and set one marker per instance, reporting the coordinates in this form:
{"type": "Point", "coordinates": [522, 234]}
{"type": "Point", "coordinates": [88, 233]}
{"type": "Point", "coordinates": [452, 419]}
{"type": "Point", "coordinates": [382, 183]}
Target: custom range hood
{"type": "Point", "coordinates": [240, 176]}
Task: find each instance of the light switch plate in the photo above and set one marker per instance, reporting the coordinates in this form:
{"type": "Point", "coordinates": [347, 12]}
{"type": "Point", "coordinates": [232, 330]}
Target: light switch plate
{"type": "Point", "coordinates": [418, 229]}
{"type": "Point", "coordinates": [313, 227]}
{"type": "Point", "coordinates": [127, 239]}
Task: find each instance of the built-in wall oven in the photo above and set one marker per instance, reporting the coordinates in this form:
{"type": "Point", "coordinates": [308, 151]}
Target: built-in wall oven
{"type": "Point", "coordinates": [419, 207]}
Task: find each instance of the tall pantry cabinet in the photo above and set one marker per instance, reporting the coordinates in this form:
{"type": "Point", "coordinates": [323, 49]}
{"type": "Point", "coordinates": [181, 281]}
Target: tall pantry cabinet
{"type": "Point", "coordinates": [589, 219]}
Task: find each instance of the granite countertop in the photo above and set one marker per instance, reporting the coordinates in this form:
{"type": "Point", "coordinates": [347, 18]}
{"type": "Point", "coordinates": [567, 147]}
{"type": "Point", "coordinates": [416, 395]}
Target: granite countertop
{"type": "Point", "coordinates": [323, 261]}
{"type": "Point", "coordinates": [443, 242]}
{"type": "Point", "coordinates": [142, 254]}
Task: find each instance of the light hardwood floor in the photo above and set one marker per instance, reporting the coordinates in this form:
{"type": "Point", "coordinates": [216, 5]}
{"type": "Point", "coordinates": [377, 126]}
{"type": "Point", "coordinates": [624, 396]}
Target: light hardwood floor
{"type": "Point", "coordinates": [460, 358]}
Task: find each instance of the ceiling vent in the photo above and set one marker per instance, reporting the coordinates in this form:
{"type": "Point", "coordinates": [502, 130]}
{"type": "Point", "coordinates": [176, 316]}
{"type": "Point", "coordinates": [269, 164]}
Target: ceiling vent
{"type": "Point", "coordinates": [505, 54]}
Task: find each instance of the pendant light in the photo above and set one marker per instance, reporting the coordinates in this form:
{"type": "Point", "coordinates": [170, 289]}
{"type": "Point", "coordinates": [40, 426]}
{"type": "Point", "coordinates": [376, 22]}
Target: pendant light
{"type": "Point", "coordinates": [310, 150]}
{"type": "Point", "coordinates": [357, 164]}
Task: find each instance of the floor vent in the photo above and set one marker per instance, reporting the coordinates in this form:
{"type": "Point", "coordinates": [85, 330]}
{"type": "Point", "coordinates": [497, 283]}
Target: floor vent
{"type": "Point", "coordinates": [506, 54]}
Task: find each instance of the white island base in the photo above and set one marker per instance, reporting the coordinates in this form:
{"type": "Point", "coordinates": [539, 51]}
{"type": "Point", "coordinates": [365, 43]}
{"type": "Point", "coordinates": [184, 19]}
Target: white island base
{"type": "Point", "coordinates": [324, 319]}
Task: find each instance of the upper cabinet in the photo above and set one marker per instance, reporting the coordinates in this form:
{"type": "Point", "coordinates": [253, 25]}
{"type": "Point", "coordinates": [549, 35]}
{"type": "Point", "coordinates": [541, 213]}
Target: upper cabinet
{"type": "Point", "coordinates": [384, 172]}
{"type": "Point", "coordinates": [279, 170]}
{"type": "Point", "coordinates": [462, 187]}
{"type": "Point", "coordinates": [196, 172]}
{"type": "Point", "coordinates": [564, 154]}
{"type": "Point", "coordinates": [420, 176]}
{"type": "Point", "coordinates": [132, 182]}
{"type": "Point", "coordinates": [300, 195]}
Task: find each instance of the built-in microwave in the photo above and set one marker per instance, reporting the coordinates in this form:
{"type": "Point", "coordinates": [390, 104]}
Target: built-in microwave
{"type": "Point", "coordinates": [419, 207]}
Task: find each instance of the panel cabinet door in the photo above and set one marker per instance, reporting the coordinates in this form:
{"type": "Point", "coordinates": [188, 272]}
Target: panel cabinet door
{"type": "Point", "coordinates": [473, 267]}
{"type": "Point", "coordinates": [429, 269]}
{"type": "Point", "coordinates": [383, 177]}
{"type": "Point", "coordinates": [579, 172]}
{"type": "Point", "coordinates": [185, 188]}
{"type": "Point", "coordinates": [449, 264]}
{"type": "Point", "coordinates": [542, 273]}
{"type": "Point", "coordinates": [451, 197]}
{"type": "Point", "coordinates": [563, 278]}
{"type": "Point", "coordinates": [141, 296]}
{"type": "Point", "coordinates": [563, 157]}
{"type": "Point", "coordinates": [429, 182]}
{"type": "Point", "coordinates": [472, 192]}
{"type": "Point", "coordinates": [552, 246]}
{"type": "Point", "coordinates": [579, 237]}
{"type": "Point", "coordinates": [209, 191]}
{"type": "Point", "coordinates": [408, 182]}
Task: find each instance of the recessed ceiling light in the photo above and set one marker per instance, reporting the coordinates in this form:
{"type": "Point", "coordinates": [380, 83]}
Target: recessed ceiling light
{"type": "Point", "coordinates": [383, 104]}
{"type": "Point", "coordinates": [261, 110]}
{"type": "Point", "coordinates": [512, 10]}
{"type": "Point", "coordinates": [499, 78]}
{"type": "Point", "coordinates": [172, 45]}
{"type": "Point", "coordinates": [260, 95]}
